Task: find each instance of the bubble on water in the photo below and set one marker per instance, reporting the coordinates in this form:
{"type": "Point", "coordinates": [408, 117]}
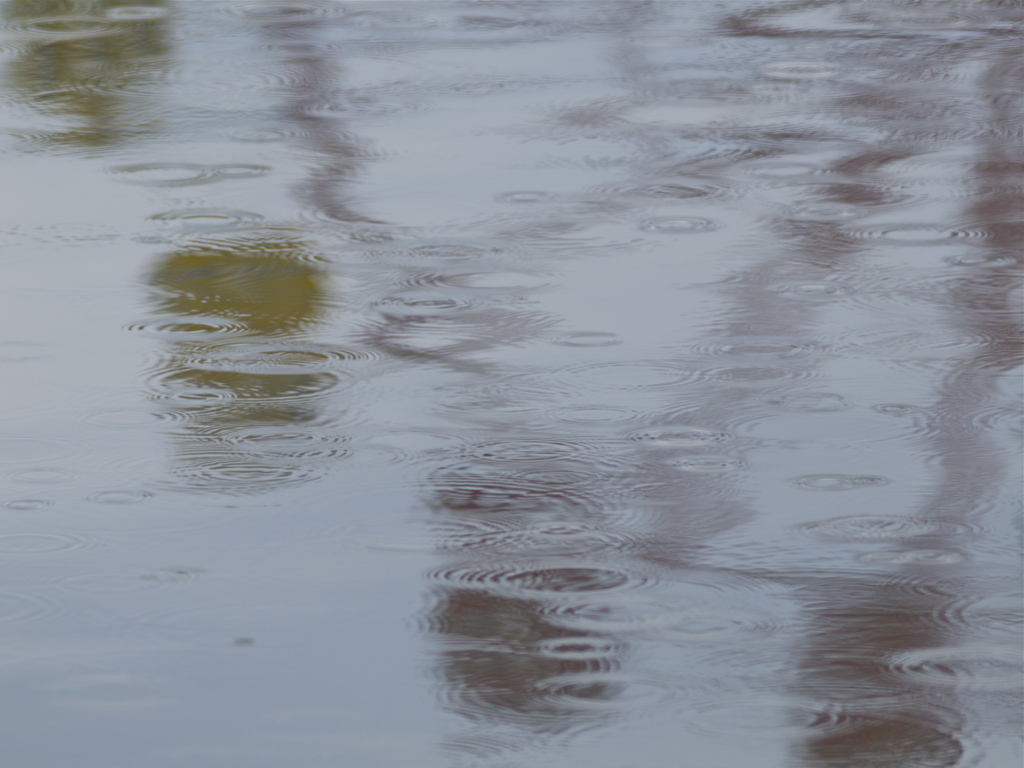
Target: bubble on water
{"type": "Point", "coordinates": [883, 528]}
{"type": "Point", "coordinates": [679, 225]}
{"type": "Point", "coordinates": [968, 667]}
{"type": "Point", "coordinates": [801, 70]}
{"type": "Point", "coordinates": [838, 482]}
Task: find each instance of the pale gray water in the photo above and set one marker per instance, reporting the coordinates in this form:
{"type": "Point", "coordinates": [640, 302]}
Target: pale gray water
{"type": "Point", "coordinates": [510, 384]}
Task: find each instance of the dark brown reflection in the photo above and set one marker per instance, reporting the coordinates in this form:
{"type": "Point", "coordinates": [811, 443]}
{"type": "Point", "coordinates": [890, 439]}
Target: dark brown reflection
{"type": "Point", "coordinates": [236, 394]}
{"type": "Point", "coordinates": [887, 649]}
{"type": "Point", "coordinates": [75, 63]}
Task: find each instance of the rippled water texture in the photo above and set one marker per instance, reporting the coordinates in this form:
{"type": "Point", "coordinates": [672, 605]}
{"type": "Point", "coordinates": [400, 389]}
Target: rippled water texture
{"type": "Point", "coordinates": [503, 384]}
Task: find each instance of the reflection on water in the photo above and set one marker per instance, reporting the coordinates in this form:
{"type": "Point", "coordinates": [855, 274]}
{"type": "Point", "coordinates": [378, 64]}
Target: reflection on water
{"type": "Point", "coordinates": [493, 383]}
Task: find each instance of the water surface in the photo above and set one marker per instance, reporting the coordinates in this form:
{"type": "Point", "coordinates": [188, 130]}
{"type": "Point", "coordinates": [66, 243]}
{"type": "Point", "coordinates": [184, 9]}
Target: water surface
{"type": "Point", "coordinates": [493, 384]}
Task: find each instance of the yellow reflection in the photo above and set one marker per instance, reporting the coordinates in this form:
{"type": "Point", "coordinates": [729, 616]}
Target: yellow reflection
{"type": "Point", "coordinates": [79, 64]}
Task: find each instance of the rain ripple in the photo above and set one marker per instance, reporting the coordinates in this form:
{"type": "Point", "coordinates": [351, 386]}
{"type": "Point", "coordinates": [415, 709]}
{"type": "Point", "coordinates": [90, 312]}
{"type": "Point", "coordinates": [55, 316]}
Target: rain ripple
{"type": "Point", "coordinates": [970, 667]}
{"type": "Point", "coordinates": [536, 579]}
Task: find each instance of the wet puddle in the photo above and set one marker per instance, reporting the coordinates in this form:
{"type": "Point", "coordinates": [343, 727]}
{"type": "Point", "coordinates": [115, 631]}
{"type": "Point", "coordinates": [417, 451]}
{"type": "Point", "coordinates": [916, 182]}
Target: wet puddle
{"type": "Point", "coordinates": [491, 384]}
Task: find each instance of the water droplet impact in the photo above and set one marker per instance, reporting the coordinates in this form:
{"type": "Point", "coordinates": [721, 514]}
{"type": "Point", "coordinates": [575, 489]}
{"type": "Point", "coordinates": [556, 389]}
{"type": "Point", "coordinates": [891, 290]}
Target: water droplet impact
{"type": "Point", "coordinates": [18, 607]}
{"type": "Point", "coordinates": [67, 27]}
{"type": "Point", "coordinates": [525, 197]}
{"type": "Point", "coordinates": [838, 482]}
{"type": "Point", "coordinates": [911, 557]}
{"type": "Point", "coordinates": [107, 583]}
{"type": "Point", "coordinates": [38, 543]}
{"type": "Point", "coordinates": [587, 339]}
{"type": "Point", "coordinates": [824, 212]}
{"type": "Point", "coordinates": [815, 290]}
{"type": "Point", "coordinates": [20, 351]}
{"type": "Point", "coordinates": [594, 414]}
{"type": "Point", "coordinates": [537, 579]}
{"type": "Point", "coordinates": [206, 219]}
{"type": "Point", "coordinates": [708, 464]}
{"type": "Point", "coordinates": [127, 418]}
{"type": "Point", "coordinates": [882, 528]}
{"type": "Point", "coordinates": [922, 234]}
{"type": "Point", "coordinates": [581, 648]}
{"type": "Point", "coordinates": [174, 574]}
{"type": "Point", "coordinates": [771, 717]}
{"type": "Point", "coordinates": [618, 615]}
{"type": "Point", "coordinates": [812, 402]}
{"type": "Point", "coordinates": [679, 437]}
{"type": "Point", "coordinates": [607, 691]}
{"type": "Point", "coordinates": [895, 409]}
{"type": "Point", "coordinates": [968, 667]}
{"type": "Point", "coordinates": [136, 13]}
{"type": "Point", "coordinates": [30, 450]}
{"type": "Point", "coordinates": [42, 475]}
{"type": "Point", "coordinates": [759, 347]}
{"type": "Point", "coordinates": [273, 11]}
{"type": "Point", "coordinates": [240, 171]}
{"type": "Point", "coordinates": [27, 505]}
{"type": "Point", "coordinates": [189, 327]}
{"type": "Point", "coordinates": [679, 225]}
{"type": "Point", "coordinates": [164, 174]}
{"type": "Point", "coordinates": [120, 497]}
{"type": "Point", "coordinates": [801, 70]}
